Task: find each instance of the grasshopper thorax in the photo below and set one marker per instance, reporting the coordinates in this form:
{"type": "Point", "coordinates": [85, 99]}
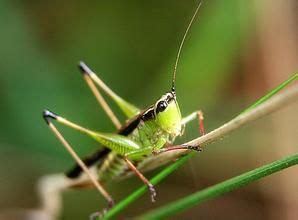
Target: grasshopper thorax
{"type": "Point", "coordinates": [166, 114]}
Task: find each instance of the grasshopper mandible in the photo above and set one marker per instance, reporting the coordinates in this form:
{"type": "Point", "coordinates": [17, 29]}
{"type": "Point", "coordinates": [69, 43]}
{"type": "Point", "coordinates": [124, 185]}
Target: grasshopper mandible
{"type": "Point", "coordinates": [145, 133]}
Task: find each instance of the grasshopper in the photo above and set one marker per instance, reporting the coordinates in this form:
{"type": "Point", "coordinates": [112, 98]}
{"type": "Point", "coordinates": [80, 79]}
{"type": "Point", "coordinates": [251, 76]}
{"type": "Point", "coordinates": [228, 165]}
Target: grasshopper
{"type": "Point", "coordinates": [145, 134]}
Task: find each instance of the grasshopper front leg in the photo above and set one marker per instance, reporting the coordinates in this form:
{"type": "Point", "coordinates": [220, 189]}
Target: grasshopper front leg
{"type": "Point", "coordinates": [184, 121]}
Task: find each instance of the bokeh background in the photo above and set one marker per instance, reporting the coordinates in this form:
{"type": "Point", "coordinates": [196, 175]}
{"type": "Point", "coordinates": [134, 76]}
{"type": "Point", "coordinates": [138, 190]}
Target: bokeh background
{"type": "Point", "coordinates": [236, 52]}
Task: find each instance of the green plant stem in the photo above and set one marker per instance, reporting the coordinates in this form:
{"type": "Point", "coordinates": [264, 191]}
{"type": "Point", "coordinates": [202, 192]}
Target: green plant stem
{"type": "Point", "coordinates": [273, 92]}
{"type": "Point", "coordinates": [219, 189]}
{"type": "Point", "coordinates": [139, 192]}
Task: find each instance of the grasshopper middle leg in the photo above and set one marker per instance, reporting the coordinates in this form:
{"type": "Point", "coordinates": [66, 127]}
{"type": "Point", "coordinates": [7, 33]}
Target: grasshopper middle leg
{"type": "Point", "coordinates": [142, 177]}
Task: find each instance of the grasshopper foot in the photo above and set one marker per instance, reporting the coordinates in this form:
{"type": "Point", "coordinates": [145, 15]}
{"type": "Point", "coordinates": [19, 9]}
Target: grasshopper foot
{"type": "Point", "coordinates": [97, 215]}
{"type": "Point", "coordinates": [196, 148]}
{"type": "Point", "coordinates": [152, 192]}
{"type": "Point", "coordinates": [100, 215]}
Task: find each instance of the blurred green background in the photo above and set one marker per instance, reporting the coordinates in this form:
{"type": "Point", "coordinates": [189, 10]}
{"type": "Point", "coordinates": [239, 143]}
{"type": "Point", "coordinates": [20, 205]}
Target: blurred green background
{"type": "Point", "coordinates": [235, 52]}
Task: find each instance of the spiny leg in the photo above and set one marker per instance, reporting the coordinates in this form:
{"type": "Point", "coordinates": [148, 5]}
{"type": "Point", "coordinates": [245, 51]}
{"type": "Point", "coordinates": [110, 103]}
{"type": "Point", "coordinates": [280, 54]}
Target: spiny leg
{"type": "Point", "coordinates": [127, 108]}
{"type": "Point", "coordinates": [48, 116]}
{"type": "Point", "coordinates": [87, 77]}
{"type": "Point", "coordinates": [193, 116]}
{"type": "Point", "coordinates": [185, 120]}
{"type": "Point", "coordinates": [142, 177]}
{"type": "Point", "coordinates": [201, 122]}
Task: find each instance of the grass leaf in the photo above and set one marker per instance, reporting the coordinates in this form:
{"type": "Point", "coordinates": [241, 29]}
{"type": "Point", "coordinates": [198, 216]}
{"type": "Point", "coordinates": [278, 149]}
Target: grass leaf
{"type": "Point", "coordinates": [273, 92]}
{"type": "Point", "coordinates": [219, 189]}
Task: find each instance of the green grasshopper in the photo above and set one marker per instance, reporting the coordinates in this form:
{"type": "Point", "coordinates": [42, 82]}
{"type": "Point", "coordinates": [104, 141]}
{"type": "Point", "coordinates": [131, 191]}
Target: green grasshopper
{"type": "Point", "coordinates": [145, 134]}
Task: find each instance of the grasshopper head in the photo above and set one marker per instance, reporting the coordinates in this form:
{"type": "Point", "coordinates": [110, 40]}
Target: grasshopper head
{"type": "Point", "coordinates": [167, 114]}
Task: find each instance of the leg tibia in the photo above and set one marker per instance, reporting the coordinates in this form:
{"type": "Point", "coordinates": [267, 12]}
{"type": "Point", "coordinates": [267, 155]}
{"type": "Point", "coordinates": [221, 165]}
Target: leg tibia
{"type": "Point", "coordinates": [127, 108]}
{"type": "Point", "coordinates": [142, 177]}
{"type": "Point", "coordinates": [102, 102]}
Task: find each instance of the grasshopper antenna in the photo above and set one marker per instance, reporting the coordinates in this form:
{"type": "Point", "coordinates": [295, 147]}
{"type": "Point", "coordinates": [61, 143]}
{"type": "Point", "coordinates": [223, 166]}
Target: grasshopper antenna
{"type": "Point", "coordinates": [181, 45]}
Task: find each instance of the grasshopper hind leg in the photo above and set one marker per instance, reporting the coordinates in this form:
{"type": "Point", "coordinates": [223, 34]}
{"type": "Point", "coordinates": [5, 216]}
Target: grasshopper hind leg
{"type": "Point", "coordinates": [49, 116]}
{"type": "Point", "coordinates": [87, 77]}
{"type": "Point", "coordinates": [127, 108]}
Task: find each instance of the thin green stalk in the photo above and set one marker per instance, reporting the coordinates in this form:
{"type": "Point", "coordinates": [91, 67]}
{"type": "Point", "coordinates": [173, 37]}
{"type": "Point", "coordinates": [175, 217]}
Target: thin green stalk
{"type": "Point", "coordinates": [273, 92]}
{"type": "Point", "coordinates": [171, 168]}
{"type": "Point", "coordinates": [219, 189]}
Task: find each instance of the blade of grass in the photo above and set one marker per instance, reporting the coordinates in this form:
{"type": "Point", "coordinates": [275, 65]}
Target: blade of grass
{"type": "Point", "coordinates": [219, 189]}
{"type": "Point", "coordinates": [168, 170]}
{"type": "Point", "coordinates": [273, 92]}
{"type": "Point", "coordinates": [261, 109]}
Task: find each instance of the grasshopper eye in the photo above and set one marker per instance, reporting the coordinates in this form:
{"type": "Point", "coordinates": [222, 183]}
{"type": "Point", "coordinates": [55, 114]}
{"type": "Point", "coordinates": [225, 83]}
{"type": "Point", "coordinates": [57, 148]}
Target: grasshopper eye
{"type": "Point", "coordinates": [161, 106]}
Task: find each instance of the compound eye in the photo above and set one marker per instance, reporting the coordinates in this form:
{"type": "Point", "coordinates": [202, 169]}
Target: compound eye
{"type": "Point", "coordinates": [161, 106]}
